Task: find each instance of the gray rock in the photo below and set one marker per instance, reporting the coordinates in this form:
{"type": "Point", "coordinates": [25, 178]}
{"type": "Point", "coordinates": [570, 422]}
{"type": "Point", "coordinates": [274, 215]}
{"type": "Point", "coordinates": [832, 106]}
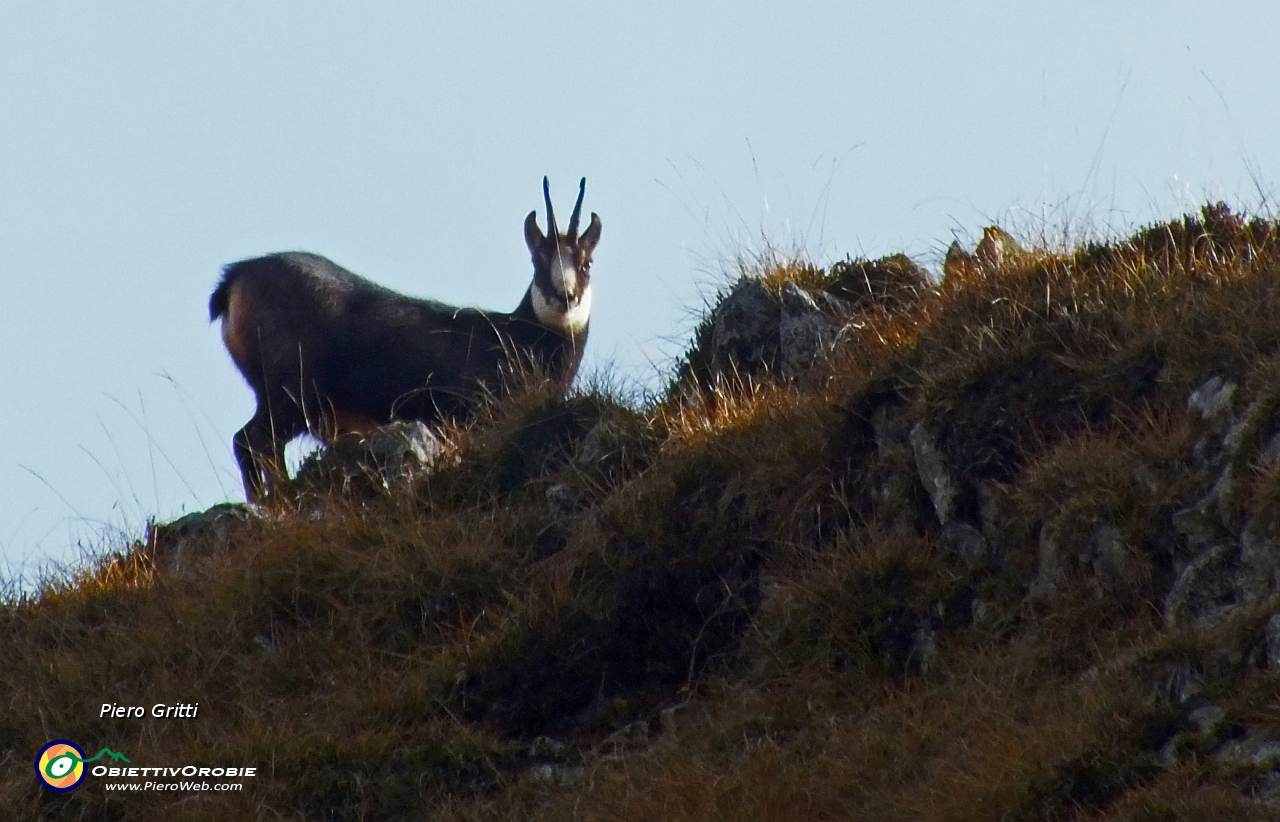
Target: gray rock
{"type": "Point", "coordinates": [1220, 433]}
{"type": "Point", "coordinates": [1256, 751]}
{"type": "Point", "coordinates": [1270, 456]}
{"type": "Point", "coordinates": [1273, 641]}
{"type": "Point", "coordinates": [1266, 754]}
{"type": "Point", "coordinates": [1205, 454]}
{"type": "Point", "coordinates": [744, 331]}
{"type": "Point", "coordinates": [1212, 398]}
{"type": "Point", "coordinates": [1208, 720]}
{"type": "Point", "coordinates": [176, 547]}
{"type": "Point", "coordinates": [1237, 436]}
{"type": "Point", "coordinates": [805, 335]}
{"type": "Point", "coordinates": [932, 468]}
{"type": "Point", "coordinates": [1246, 432]}
{"type": "Point", "coordinates": [1222, 496]}
{"type": "Point", "coordinates": [1202, 589]}
{"type": "Point", "coordinates": [216, 523]}
{"type": "Point", "coordinates": [1257, 578]}
{"type": "Point", "coordinates": [796, 302]}
{"type": "Point", "coordinates": [1224, 575]}
{"type": "Point", "coordinates": [754, 332]}
{"type": "Point", "coordinates": [966, 540]}
{"type": "Point", "coordinates": [401, 451]}
{"type": "Point", "coordinates": [390, 458]}
{"type": "Point", "coordinates": [831, 305]}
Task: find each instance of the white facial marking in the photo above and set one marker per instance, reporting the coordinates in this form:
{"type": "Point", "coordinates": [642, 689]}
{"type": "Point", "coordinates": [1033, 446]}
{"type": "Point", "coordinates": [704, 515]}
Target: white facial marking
{"type": "Point", "coordinates": [544, 310]}
{"type": "Point", "coordinates": [550, 314]}
{"type": "Point", "coordinates": [564, 277]}
{"type": "Point", "coordinates": [579, 313]}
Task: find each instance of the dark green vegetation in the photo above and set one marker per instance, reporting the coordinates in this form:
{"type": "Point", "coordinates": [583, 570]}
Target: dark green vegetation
{"type": "Point", "coordinates": [986, 561]}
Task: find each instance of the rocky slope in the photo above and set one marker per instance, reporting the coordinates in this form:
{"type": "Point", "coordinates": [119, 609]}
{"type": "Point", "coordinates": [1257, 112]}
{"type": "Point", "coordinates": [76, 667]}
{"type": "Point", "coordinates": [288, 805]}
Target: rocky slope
{"type": "Point", "coordinates": [1004, 547]}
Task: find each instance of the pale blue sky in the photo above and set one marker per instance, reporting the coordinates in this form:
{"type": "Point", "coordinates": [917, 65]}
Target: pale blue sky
{"type": "Point", "coordinates": [143, 145]}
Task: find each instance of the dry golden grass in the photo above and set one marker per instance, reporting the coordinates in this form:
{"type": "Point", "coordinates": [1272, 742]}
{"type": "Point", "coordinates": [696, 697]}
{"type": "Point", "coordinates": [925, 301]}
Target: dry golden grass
{"type": "Point", "coordinates": [747, 608]}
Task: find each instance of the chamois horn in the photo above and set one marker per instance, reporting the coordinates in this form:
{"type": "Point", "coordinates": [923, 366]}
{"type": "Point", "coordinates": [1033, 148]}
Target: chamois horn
{"type": "Point", "coordinates": [577, 210]}
{"type": "Point", "coordinates": [551, 215]}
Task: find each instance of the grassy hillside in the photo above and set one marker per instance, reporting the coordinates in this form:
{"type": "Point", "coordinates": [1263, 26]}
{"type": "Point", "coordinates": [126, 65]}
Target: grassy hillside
{"type": "Point", "coordinates": [1008, 552]}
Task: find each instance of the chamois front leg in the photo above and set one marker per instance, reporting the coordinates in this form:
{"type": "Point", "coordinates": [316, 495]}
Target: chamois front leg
{"type": "Point", "coordinates": [259, 451]}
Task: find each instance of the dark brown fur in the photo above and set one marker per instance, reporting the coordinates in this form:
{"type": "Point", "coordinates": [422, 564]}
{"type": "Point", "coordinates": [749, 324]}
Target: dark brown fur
{"type": "Point", "coordinates": [330, 352]}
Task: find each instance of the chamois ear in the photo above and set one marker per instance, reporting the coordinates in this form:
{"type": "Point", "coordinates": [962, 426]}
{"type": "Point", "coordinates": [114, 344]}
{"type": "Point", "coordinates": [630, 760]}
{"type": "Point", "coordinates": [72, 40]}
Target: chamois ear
{"type": "Point", "coordinates": [587, 242]}
{"type": "Point", "coordinates": [532, 234]}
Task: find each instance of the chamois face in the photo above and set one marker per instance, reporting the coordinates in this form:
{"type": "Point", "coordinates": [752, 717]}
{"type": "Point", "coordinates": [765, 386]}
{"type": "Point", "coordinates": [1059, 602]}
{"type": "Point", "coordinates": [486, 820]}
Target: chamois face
{"type": "Point", "coordinates": [562, 268]}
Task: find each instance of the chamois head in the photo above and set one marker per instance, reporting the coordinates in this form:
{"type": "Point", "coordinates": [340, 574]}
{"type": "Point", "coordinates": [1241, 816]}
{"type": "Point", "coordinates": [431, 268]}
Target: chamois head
{"type": "Point", "coordinates": [561, 288]}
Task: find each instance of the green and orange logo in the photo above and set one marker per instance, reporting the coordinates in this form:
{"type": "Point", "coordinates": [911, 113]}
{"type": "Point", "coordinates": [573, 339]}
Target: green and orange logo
{"type": "Point", "coordinates": [60, 764]}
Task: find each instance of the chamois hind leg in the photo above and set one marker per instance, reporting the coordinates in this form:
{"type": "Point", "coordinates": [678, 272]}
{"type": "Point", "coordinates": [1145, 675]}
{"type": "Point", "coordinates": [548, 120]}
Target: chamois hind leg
{"type": "Point", "coordinates": [259, 449]}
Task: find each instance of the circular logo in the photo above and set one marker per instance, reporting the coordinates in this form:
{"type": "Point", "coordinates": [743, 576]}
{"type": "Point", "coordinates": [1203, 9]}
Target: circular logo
{"type": "Point", "coordinates": [60, 765]}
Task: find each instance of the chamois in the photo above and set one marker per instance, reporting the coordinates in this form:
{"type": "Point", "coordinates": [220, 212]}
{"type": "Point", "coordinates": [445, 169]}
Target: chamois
{"type": "Point", "coordinates": [329, 352]}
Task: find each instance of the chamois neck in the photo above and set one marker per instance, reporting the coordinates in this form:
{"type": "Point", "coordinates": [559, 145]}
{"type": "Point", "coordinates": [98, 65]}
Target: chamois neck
{"type": "Point", "coordinates": [525, 311]}
{"type": "Point", "coordinates": [550, 313]}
